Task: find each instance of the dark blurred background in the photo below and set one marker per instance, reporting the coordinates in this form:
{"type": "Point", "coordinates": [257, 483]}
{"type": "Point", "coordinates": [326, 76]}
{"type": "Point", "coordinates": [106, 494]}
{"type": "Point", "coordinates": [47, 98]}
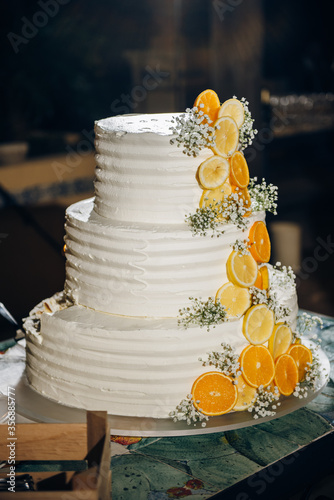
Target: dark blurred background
{"type": "Point", "coordinates": [66, 63]}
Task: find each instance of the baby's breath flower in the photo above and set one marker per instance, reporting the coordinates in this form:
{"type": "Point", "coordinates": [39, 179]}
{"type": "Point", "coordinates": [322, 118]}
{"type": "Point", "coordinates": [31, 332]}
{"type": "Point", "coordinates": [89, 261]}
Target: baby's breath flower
{"type": "Point", "coordinates": [306, 322]}
{"type": "Point", "coordinates": [241, 246]}
{"type": "Point", "coordinates": [202, 314]}
{"type": "Point", "coordinates": [263, 196]}
{"type": "Point", "coordinates": [246, 132]}
{"type": "Point", "coordinates": [187, 411]}
{"type": "Point", "coordinates": [193, 131]}
{"type": "Point", "coordinates": [271, 300]}
{"type": "Point", "coordinates": [265, 402]}
{"type": "Point", "coordinates": [226, 361]}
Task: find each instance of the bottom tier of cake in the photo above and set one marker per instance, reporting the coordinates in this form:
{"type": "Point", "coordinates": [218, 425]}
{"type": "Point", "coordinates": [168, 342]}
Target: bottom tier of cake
{"type": "Point", "coordinates": [129, 366]}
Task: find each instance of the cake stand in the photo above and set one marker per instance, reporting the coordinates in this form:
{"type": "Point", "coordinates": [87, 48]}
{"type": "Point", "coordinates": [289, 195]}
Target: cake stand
{"type": "Point", "coordinates": [37, 408]}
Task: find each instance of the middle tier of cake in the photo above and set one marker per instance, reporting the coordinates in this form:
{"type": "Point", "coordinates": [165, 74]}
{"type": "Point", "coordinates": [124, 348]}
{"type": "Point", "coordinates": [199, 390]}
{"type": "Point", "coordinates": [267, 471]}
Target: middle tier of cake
{"type": "Point", "coordinates": [142, 269]}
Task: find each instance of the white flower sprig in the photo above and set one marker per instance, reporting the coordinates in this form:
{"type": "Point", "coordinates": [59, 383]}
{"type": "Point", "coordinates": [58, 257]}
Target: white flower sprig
{"type": "Point", "coordinates": [226, 361]}
{"type": "Point", "coordinates": [271, 300]}
{"type": "Point", "coordinates": [284, 276]}
{"type": "Point", "coordinates": [246, 132]}
{"type": "Point", "coordinates": [187, 411]}
{"type": "Point", "coordinates": [202, 314]}
{"type": "Point", "coordinates": [264, 196]}
{"type": "Point", "coordinates": [265, 402]}
{"type": "Point", "coordinates": [241, 246]}
{"type": "Point", "coordinates": [193, 131]}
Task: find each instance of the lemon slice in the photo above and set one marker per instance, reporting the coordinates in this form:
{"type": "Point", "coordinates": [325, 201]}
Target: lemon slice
{"type": "Point", "coordinates": [235, 299]}
{"type": "Point", "coordinates": [213, 172]}
{"type": "Point", "coordinates": [226, 136]}
{"type": "Point", "coordinates": [258, 324]}
{"type": "Point", "coordinates": [265, 276]}
{"type": "Point", "coordinates": [246, 394]}
{"type": "Point", "coordinates": [280, 340]}
{"type": "Point", "coordinates": [234, 109]}
{"type": "Point", "coordinates": [241, 269]}
{"type": "Point", "coordinates": [215, 196]}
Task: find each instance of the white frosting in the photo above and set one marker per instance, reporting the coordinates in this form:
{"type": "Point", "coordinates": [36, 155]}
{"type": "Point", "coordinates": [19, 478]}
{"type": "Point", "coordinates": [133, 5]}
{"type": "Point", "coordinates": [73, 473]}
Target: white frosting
{"type": "Point", "coordinates": [127, 366]}
{"type": "Point", "coordinates": [140, 176]}
{"type": "Point", "coordinates": [142, 269]}
{"type": "Point", "coordinates": [132, 263]}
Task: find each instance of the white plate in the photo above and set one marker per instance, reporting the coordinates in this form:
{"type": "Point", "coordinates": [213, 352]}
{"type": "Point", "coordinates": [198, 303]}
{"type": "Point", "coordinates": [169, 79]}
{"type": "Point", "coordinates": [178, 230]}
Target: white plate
{"type": "Point", "coordinates": [37, 408]}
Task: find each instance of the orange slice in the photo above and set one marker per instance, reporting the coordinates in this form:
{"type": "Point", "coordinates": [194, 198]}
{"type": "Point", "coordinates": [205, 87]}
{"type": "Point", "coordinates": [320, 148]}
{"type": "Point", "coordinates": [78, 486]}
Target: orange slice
{"type": "Point", "coordinates": [246, 394]}
{"type": "Point", "coordinates": [257, 365]}
{"type": "Point", "coordinates": [302, 356]}
{"type": "Point", "coordinates": [226, 137]}
{"type": "Point", "coordinates": [208, 102]}
{"type": "Point", "coordinates": [258, 324]}
{"type": "Point", "coordinates": [286, 374]}
{"type": "Point", "coordinates": [265, 277]}
{"type": "Point", "coordinates": [214, 393]}
{"type": "Point", "coordinates": [239, 170]}
{"type": "Point", "coordinates": [215, 196]}
{"type": "Point", "coordinates": [213, 172]}
{"type": "Point", "coordinates": [260, 242]}
{"type": "Point", "coordinates": [234, 109]}
{"type": "Point", "coordinates": [259, 281]}
{"type": "Point", "coordinates": [241, 269]}
{"type": "Point", "coordinates": [235, 299]}
{"type": "Point", "coordinates": [280, 340]}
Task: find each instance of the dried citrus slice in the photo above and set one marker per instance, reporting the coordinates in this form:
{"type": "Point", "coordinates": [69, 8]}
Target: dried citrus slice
{"type": "Point", "coordinates": [208, 102]}
{"type": "Point", "coordinates": [239, 170]}
{"type": "Point", "coordinates": [226, 137]}
{"type": "Point", "coordinates": [280, 340]}
{"type": "Point", "coordinates": [258, 324]}
{"type": "Point", "coordinates": [213, 172]}
{"type": "Point", "coordinates": [265, 277]}
{"type": "Point", "coordinates": [286, 374]}
{"type": "Point", "coordinates": [215, 196]}
{"type": "Point", "coordinates": [234, 109]}
{"type": "Point", "coordinates": [214, 393]}
{"type": "Point", "coordinates": [257, 365]}
{"type": "Point", "coordinates": [302, 356]}
{"type": "Point", "coordinates": [246, 394]}
{"type": "Point", "coordinates": [235, 299]}
{"type": "Point", "coordinates": [260, 242]}
{"type": "Point", "coordinates": [241, 269]}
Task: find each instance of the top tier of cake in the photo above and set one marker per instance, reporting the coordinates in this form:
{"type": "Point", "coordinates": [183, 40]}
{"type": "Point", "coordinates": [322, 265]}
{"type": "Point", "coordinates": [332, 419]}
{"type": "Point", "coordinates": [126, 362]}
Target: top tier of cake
{"type": "Point", "coordinates": [140, 176]}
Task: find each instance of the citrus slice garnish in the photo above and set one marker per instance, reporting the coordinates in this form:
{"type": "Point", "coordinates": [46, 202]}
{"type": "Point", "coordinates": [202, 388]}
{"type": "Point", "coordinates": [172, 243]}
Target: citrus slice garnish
{"type": "Point", "coordinates": [303, 357]}
{"type": "Point", "coordinates": [259, 281]}
{"type": "Point", "coordinates": [280, 340]}
{"type": "Point", "coordinates": [239, 170]}
{"type": "Point", "coordinates": [265, 276]}
{"type": "Point", "coordinates": [208, 102]}
{"type": "Point", "coordinates": [258, 324]}
{"type": "Point", "coordinates": [260, 242]}
{"type": "Point", "coordinates": [257, 365]}
{"type": "Point", "coordinates": [213, 172]}
{"type": "Point", "coordinates": [234, 109]}
{"type": "Point", "coordinates": [286, 374]}
{"type": "Point", "coordinates": [214, 393]}
{"type": "Point", "coordinates": [235, 299]}
{"type": "Point", "coordinates": [246, 394]}
{"type": "Point", "coordinates": [215, 196]}
{"type": "Point", "coordinates": [241, 269]}
{"type": "Point", "coordinates": [226, 137]}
